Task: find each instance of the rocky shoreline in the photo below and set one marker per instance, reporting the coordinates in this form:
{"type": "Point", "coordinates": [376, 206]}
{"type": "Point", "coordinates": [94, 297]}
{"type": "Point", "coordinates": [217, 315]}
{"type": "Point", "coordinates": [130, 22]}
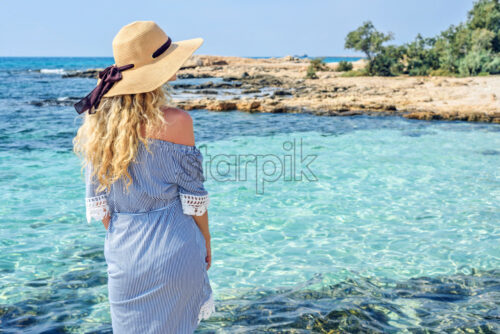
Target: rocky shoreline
{"type": "Point", "coordinates": [278, 85]}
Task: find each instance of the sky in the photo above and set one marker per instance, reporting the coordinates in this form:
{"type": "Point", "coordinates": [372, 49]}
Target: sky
{"type": "Point", "coordinates": [272, 28]}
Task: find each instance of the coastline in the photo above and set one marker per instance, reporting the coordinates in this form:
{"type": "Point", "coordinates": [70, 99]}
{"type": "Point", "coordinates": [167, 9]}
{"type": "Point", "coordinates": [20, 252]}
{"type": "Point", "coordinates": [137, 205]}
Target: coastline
{"type": "Point", "coordinates": [416, 97]}
{"type": "Point", "coordinates": [388, 180]}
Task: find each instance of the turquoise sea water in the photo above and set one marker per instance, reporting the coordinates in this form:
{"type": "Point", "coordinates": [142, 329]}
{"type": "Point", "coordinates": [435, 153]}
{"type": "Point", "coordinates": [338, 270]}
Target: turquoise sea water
{"type": "Point", "coordinates": [354, 224]}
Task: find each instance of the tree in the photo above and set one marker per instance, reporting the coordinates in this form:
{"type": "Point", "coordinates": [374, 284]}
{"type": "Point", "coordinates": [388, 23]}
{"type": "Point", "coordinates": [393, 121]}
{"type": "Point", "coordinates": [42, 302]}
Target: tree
{"type": "Point", "coordinates": [485, 14]}
{"type": "Point", "coordinates": [367, 39]}
{"type": "Point", "coordinates": [420, 56]}
{"type": "Point", "coordinates": [387, 62]}
{"type": "Point", "coordinates": [470, 48]}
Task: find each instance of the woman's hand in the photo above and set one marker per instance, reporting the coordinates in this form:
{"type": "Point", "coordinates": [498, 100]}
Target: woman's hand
{"type": "Point", "coordinates": [208, 258]}
{"type": "Point", "coordinates": [105, 221]}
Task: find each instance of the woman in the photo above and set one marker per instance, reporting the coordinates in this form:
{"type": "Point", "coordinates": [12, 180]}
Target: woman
{"type": "Point", "coordinates": [144, 180]}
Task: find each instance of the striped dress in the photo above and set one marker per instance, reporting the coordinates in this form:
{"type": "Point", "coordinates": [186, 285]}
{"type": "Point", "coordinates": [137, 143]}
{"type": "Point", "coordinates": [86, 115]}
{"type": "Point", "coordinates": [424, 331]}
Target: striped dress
{"type": "Point", "coordinates": [155, 252]}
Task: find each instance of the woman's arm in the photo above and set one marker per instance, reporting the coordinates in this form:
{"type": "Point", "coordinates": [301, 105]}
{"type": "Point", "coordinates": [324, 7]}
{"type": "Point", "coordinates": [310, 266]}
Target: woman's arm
{"type": "Point", "coordinates": [202, 222]}
{"type": "Point", "coordinates": [179, 129]}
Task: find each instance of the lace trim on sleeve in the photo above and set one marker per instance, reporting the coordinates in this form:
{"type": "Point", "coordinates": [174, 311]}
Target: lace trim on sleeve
{"type": "Point", "coordinates": [97, 207]}
{"type": "Point", "coordinates": [194, 205]}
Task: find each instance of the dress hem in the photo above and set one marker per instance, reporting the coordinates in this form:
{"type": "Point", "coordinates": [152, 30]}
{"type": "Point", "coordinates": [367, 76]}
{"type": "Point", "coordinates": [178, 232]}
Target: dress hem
{"type": "Point", "coordinates": [207, 308]}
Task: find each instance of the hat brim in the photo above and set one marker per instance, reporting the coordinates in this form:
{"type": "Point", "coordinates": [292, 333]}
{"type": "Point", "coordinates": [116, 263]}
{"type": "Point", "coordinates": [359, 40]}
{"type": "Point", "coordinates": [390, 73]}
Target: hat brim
{"type": "Point", "coordinates": [153, 75]}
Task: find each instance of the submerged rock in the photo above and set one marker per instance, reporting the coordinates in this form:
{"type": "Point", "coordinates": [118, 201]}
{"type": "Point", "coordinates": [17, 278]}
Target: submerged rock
{"type": "Point", "coordinates": [192, 75]}
{"type": "Point", "coordinates": [440, 304]}
{"type": "Point", "coordinates": [62, 101]}
{"type": "Point", "coordinates": [250, 91]}
{"type": "Point", "coordinates": [91, 73]}
{"type": "Point", "coordinates": [282, 93]}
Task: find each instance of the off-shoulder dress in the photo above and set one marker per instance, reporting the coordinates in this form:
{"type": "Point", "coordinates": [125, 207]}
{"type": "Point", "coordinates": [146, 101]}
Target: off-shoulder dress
{"type": "Point", "coordinates": [155, 252]}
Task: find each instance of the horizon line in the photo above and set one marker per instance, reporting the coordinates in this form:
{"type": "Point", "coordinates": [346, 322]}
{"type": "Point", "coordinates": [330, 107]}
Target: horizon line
{"type": "Point", "coordinates": [213, 55]}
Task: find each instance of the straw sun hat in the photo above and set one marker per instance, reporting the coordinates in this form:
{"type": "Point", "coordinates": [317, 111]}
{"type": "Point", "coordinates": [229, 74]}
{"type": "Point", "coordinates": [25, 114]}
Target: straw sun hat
{"type": "Point", "coordinates": [145, 58]}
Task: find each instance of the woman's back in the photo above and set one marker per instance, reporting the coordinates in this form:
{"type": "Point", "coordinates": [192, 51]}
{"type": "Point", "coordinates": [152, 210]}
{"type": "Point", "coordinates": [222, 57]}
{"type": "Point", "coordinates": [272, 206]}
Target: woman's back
{"type": "Point", "coordinates": [156, 175]}
{"type": "Point", "coordinates": [155, 252]}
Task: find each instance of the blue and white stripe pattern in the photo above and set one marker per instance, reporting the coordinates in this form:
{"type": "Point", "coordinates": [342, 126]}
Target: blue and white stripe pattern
{"type": "Point", "coordinates": [155, 252]}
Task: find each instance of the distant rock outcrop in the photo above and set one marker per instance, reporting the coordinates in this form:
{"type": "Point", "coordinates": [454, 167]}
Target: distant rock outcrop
{"type": "Point", "coordinates": [282, 87]}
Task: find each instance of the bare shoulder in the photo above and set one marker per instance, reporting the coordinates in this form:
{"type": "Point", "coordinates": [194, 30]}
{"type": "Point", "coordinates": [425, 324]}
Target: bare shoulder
{"type": "Point", "coordinates": [176, 115]}
{"type": "Point", "coordinates": [179, 127]}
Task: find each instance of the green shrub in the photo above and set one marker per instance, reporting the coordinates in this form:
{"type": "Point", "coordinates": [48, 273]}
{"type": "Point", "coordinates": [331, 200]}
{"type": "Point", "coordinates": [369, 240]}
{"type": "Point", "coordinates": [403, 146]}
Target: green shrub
{"type": "Point", "coordinates": [387, 62]}
{"type": "Point", "coordinates": [311, 72]}
{"type": "Point", "coordinates": [318, 64]}
{"type": "Point", "coordinates": [355, 73]}
{"type": "Point", "coordinates": [419, 56]}
{"type": "Point", "coordinates": [493, 67]}
{"type": "Point", "coordinates": [344, 66]}
{"type": "Point", "coordinates": [474, 63]}
{"type": "Point", "coordinates": [440, 72]}
{"type": "Point", "coordinates": [418, 71]}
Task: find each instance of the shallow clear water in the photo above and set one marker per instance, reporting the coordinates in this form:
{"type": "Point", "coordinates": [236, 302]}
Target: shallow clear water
{"type": "Point", "coordinates": [393, 227]}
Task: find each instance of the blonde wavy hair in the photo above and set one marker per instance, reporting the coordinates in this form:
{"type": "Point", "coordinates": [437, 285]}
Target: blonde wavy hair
{"type": "Point", "coordinates": [109, 138]}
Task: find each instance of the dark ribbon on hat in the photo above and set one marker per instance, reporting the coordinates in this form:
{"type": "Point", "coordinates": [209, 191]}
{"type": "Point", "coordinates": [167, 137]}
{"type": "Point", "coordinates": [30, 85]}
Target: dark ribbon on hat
{"type": "Point", "coordinates": [162, 48]}
{"type": "Point", "coordinates": [109, 76]}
